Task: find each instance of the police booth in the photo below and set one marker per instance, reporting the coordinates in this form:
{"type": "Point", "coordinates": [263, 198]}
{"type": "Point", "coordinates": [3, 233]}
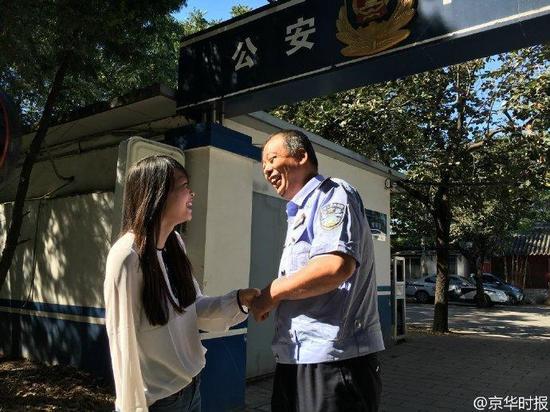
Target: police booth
{"type": "Point", "coordinates": [51, 307]}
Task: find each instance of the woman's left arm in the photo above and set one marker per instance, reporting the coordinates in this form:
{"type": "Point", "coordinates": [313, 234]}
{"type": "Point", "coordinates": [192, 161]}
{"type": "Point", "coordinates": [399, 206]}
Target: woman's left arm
{"type": "Point", "coordinates": [219, 313]}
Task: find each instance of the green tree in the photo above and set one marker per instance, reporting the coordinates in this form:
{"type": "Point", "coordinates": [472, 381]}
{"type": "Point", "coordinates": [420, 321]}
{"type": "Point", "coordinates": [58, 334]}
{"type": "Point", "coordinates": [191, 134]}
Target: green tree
{"type": "Point", "coordinates": [516, 163]}
{"type": "Point", "coordinates": [59, 55]}
{"type": "Point", "coordinates": [485, 219]}
{"type": "Point", "coordinates": [197, 21]}
{"type": "Point", "coordinates": [434, 127]}
{"type": "Point", "coordinates": [239, 9]}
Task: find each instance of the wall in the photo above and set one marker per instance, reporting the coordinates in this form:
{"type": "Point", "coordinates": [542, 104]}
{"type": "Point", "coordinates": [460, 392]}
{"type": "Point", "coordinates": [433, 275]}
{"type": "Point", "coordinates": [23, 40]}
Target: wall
{"type": "Point", "coordinates": [371, 185]}
{"type": "Point", "coordinates": [93, 171]}
{"type": "Point", "coordinates": [52, 304]}
{"type": "Point", "coordinates": [218, 242]}
{"type": "Point", "coordinates": [537, 271]}
{"type": "Point", "coordinates": [268, 236]}
{"type": "Point", "coordinates": [227, 225]}
{"type": "Point", "coordinates": [372, 190]}
{"type": "Point", "coordinates": [60, 269]}
{"type": "Point", "coordinates": [69, 238]}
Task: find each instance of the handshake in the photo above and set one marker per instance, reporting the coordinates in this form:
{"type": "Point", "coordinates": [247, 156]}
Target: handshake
{"type": "Point", "coordinates": [259, 302]}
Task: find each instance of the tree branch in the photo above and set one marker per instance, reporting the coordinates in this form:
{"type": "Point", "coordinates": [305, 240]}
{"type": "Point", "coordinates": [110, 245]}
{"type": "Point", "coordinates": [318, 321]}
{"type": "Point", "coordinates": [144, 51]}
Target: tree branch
{"type": "Point", "coordinates": [473, 146]}
{"type": "Point", "coordinates": [510, 119]}
{"type": "Point", "coordinates": [24, 179]}
{"type": "Point", "coordinates": [417, 194]}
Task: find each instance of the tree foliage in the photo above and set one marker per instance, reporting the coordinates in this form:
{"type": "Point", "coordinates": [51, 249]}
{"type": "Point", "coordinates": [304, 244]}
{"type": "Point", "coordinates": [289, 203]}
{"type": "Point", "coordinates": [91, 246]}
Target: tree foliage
{"type": "Point", "coordinates": [515, 164]}
{"type": "Point", "coordinates": [239, 9]}
{"type": "Point", "coordinates": [469, 137]}
{"type": "Point", "coordinates": [108, 48]}
{"type": "Point", "coordinates": [58, 55]}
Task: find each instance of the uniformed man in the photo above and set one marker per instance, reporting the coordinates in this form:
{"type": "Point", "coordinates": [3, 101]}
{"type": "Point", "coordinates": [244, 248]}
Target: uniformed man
{"type": "Point", "coordinates": [327, 330]}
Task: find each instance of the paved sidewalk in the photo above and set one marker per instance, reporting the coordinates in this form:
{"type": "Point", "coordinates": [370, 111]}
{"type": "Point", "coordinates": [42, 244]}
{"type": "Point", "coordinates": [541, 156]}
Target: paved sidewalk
{"type": "Point", "coordinates": [446, 373]}
{"type": "Point", "coordinates": [522, 321]}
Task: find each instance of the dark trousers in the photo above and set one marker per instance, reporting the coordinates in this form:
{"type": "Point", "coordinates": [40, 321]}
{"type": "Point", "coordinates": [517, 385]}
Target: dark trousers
{"type": "Point", "coordinates": [187, 399]}
{"type": "Point", "coordinates": [347, 385]}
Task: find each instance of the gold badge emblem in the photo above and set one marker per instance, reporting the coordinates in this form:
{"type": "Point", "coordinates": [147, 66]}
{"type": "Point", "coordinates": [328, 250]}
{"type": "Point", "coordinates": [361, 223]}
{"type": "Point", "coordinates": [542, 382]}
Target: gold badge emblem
{"type": "Point", "coordinates": [373, 34]}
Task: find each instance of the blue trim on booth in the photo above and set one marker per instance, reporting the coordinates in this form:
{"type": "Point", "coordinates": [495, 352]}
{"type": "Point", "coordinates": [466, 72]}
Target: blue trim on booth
{"type": "Point", "coordinates": [242, 325]}
{"type": "Point", "coordinates": [85, 346]}
{"type": "Point", "coordinates": [71, 310]}
{"type": "Point", "coordinates": [100, 312]}
{"type": "Point", "coordinates": [224, 377]}
{"type": "Point", "coordinates": [213, 134]}
{"type": "Point", "coordinates": [54, 308]}
{"type": "Point", "coordinates": [47, 339]}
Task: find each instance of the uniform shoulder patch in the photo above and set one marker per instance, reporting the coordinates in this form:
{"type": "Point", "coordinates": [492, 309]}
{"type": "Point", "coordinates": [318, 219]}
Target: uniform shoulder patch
{"type": "Point", "coordinates": [332, 215]}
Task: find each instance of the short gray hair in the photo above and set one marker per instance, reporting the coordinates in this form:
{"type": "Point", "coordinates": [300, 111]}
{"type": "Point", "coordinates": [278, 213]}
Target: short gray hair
{"type": "Point", "coordinates": [297, 142]}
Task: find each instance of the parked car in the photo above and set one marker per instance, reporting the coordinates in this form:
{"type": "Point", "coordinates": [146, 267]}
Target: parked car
{"type": "Point", "coordinates": [460, 289]}
{"type": "Point", "coordinates": [461, 283]}
{"type": "Point", "coordinates": [468, 291]}
{"type": "Point", "coordinates": [423, 289]}
{"type": "Point", "coordinates": [514, 293]}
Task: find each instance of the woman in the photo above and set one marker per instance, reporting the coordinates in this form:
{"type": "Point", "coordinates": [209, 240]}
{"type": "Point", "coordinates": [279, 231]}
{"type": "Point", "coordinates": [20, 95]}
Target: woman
{"type": "Point", "coordinates": [154, 307]}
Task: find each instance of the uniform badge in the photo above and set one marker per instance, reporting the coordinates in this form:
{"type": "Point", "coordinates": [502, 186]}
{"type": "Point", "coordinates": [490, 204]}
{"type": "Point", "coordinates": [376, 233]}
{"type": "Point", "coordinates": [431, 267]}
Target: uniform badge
{"type": "Point", "coordinates": [332, 215]}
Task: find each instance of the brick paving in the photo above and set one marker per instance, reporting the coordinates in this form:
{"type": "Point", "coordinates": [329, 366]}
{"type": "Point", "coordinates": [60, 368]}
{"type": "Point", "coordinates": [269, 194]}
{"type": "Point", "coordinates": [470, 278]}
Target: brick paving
{"type": "Point", "coordinates": [446, 373]}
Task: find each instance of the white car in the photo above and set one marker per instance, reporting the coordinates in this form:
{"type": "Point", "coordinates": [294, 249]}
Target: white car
{"type": "Point", "coordinates": [515, 294]}
{"type": "Point", "coordinates": [423, 290]}
{"type": "Point", "coordinates": [468, 291]}
{"type": "Point", "coordinates": [460, 289]}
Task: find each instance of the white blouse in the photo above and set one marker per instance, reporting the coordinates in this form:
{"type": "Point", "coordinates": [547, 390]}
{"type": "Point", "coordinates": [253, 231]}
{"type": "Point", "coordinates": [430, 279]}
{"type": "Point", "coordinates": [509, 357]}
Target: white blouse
{"type": "Point", "coordinates": [153, 362]}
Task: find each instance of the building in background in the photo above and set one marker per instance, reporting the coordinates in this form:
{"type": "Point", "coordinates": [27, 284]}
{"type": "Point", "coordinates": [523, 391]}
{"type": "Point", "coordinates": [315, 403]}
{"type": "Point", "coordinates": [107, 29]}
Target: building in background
{"type": "Point", "coordinates": [420, 263]}
{"type": "Point", "coordinates": [527, 263]}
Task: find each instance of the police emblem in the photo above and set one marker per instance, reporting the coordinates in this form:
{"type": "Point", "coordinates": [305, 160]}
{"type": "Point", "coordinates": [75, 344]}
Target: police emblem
{"type": "Point", "coordinates": [332, 215]}
{"type": "Point", "coordinates": [373, 34]}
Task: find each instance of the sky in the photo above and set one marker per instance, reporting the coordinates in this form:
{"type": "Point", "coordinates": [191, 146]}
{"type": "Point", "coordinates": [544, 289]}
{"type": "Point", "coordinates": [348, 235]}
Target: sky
{"type": "Point", "coordinates": [216, 9]}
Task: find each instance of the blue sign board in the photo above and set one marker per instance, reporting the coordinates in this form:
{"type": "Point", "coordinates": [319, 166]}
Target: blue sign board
{"type": "Point", "coordinates": [297, 49]}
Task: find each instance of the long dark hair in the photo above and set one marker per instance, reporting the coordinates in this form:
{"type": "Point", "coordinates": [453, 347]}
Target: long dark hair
{"type": "Point", "coordinates": [146, 191]}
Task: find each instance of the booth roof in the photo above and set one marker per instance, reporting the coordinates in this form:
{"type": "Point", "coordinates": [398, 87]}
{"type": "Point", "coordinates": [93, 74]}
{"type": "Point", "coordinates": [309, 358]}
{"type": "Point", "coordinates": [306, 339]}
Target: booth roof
{"type": "Point", "coordinates": [146, 106]}
{"type": "Point", "coordinates": [151, 111]}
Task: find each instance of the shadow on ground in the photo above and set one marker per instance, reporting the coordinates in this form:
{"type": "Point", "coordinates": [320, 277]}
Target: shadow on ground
{"type": "Point", "coordinates": [29, 386]}
{"type": "Point", "coordinates": [446, 373]}
{"type": "Point", "coordinates": [532, 322]}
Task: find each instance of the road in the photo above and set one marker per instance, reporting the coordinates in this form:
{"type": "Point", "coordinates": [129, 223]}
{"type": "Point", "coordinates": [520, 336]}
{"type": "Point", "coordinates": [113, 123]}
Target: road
{"type": "Point", "coordinates": [498, 354]}
{"type": "Point", "coordinates": [522, 321]}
